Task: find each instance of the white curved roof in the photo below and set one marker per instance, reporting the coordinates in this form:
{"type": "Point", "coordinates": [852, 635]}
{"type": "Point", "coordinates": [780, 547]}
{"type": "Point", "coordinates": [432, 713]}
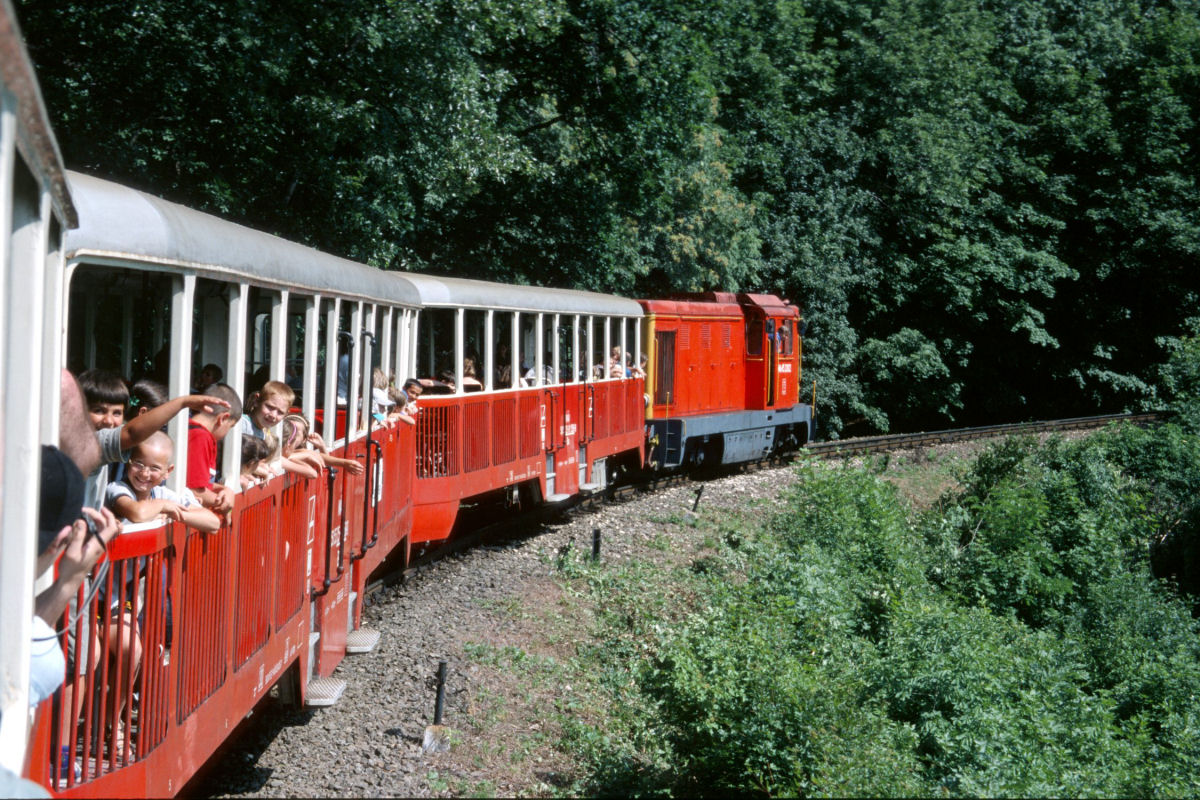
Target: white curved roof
{"type": "Point", "coordinates": [123, 224]}
{"type": "Point", "coordinates": [456, 292]}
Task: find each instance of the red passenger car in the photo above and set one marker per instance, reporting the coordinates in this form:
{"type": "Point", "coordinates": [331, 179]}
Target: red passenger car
{"type": "Point", "coordinates": [525, 402]}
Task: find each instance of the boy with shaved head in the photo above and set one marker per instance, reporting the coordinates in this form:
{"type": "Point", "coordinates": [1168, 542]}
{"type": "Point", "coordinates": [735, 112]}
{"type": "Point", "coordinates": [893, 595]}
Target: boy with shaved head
{"type": "Point", "coordinates": [140, 496]}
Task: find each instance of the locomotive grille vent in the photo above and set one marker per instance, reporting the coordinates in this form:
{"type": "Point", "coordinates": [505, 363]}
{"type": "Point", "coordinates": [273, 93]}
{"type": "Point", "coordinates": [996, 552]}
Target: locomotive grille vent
{"type": "Point", "coordinates": [706, 337]}
{"type": "Point", "coordinates": [685, 338]}
{"type": "Point", "coordinates": [726, 336]}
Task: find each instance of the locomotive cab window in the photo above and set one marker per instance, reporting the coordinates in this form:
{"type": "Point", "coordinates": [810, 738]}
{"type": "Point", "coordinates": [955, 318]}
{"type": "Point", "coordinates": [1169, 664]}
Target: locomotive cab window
{"type": "Point", "coordinates": [754, 337]}
{"type": "Point", "coordinates": [786, 337]}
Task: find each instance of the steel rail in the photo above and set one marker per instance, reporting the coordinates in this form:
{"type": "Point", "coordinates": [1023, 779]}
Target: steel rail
{"type": "Point", "coordinates": [901, 441]}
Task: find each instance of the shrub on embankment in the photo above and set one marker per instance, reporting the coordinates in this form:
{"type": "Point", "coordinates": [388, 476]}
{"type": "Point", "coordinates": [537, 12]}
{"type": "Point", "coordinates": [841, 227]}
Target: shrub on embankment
{"type": "Point", "coordinates": [1010, 640]}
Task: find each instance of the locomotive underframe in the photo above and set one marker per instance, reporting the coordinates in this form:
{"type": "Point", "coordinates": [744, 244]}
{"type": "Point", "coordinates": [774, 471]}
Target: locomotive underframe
{"type": "Point", "coordinates": [729, 438]}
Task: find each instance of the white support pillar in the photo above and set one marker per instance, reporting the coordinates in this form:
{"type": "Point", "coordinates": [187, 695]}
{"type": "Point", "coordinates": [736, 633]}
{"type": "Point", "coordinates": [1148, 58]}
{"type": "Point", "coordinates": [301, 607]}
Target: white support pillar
{"type": "Point", "coordinates": [54, 329]}
{"type": "Point", "coordinates": [537, 346]}
{"type": "Point", "coordinates": [387, 330]}
{"type": "Point", "coordinates": [22, 266]}
{"type": "Point", "coordinates": [179, 377]}
{"type": "Point", "coordinates": [366, 357]}
{"type": "Point", "coordinates": [591, 332]}
{"type": "Point", "coordinates": [625, 346]}
{"type": "Point", "coordinates": [607, 351]}
{"type": "Point", "coordinates": [278, 358]}
{"type": "Point", "coordinates": [414, 330]}
{"type": "Point", "coordinates": [460, 345]}
{"type": "Point", "coordinates": [354, 378]}
{"type": "Point", "coordinates": [235, 377]}
{"type": "Point", "coordinates": [312, 327]}
{"type": "Point", "coordinates": [637, 343]}
{"type": "Point", "coordinates": [332, 361]}
{"type": "Point", "coordinates": [489, 351]}
{"type": "Point", "coordinates": [515, 349]}
{"type": "Point", "coordinates": [577, 363]}
{"type": "Point", "coordinates": [555, 355]}
{"type": "Point", "coordinates": [403, 321]}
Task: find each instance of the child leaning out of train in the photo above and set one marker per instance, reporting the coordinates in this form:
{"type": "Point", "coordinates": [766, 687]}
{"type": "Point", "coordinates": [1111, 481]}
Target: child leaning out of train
{"type": "Point", "coordinates": [400, 409]}
{"type": "Point", "coordinates": [414, 389]}
{"type": "Point", "coordinates": [278, 463]}
{"type": "Point", "coordinates": [300, 446]}
{"type": "Point", "coordinates": [266, 407]}
{"type": "Point", "coordinates": [205, 430]}
{"type": "Point", "coordinates": [141, 495]}
{"type": "Point", "coordinates": [256, 455]}
{"type": "Point", "coordinates": [105, 398]}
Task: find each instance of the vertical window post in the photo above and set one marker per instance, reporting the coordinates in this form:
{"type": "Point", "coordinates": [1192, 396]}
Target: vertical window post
{"type": "Point", "coordinates": [354, 377]}
{"type": "Point", "coordinates": [235, 377]}
{"type": "Point", "coordinates": [489, 351]}
{"type": "Point", "coordinates": [460, 315]}
{"type": "Point", "coordinates": [312, 325]}
{"type": "Point", "coordinates": [332, 361]}
{"type": "Point", "coordinates": [537, 350]}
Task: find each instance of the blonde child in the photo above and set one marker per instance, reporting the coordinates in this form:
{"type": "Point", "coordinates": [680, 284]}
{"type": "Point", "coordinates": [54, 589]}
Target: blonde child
{"type": "Point", "coordinates": [265, 408]}
{"type": "Point", "coordinates": [297, 439]}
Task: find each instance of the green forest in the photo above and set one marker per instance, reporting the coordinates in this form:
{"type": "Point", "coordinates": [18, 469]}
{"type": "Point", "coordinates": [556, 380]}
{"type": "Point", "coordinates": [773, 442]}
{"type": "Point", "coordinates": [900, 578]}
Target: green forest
{"type": "Point", "coordinates": [987, 209]}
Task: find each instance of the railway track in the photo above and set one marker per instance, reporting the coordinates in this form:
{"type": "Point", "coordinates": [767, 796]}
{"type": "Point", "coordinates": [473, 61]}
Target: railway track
{"type": "Point", "coordinates": [520, 524]}
{"type": "Point", "coordinates": [902, 441]}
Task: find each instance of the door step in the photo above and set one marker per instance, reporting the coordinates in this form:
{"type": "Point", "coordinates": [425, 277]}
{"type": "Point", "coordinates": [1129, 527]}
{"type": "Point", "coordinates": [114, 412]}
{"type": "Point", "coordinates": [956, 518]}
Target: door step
{"type": "Point", "coordinates": [558, 498]}
{"type": "Point", "coordinates": [362, 640]}
{"type": "Point", "coordinates": [589, 488]}
{"type": "Point", "coordinates": [324, 691]}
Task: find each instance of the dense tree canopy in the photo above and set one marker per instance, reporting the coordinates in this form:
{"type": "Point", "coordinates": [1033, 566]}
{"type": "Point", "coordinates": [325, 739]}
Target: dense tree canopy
{"type": "Point", "coordinates": [988, 210]}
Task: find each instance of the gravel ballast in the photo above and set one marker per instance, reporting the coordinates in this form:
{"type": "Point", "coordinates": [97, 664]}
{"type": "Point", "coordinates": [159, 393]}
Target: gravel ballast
{"type": "Point", "coordinates": [369, 743]}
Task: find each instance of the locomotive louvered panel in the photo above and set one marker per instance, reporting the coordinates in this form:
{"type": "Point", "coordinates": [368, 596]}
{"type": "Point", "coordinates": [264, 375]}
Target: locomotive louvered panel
{"type": "Point", "coordinates": [685, 337]}
{"type": "Point", "coordinates": [726, 336]}
{"type": "Point", "coordinates": [204, 617]}
{"type": "Point", "coordinates": [706, 337]}
{"type": "Point", "coordinates": [476, 417]}
{"type": "Point", "coordinates": [293, 534]}
{"type": "Point", "coordinates": [504, 430]}
{"type": "Point", "coordinates": [437, 442]}
{"type": "Point", "coordinates": [255, 579]}
{"type": "Point", "coordinates": [531, 424]}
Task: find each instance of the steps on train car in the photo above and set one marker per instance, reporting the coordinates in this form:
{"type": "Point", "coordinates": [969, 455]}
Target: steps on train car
{"type": "Point", "coordinates": [558, 498]}
{"type": "Point", "coordinates": [362, 640]}
{"type": "Point", "coordinates": [324, 691]}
